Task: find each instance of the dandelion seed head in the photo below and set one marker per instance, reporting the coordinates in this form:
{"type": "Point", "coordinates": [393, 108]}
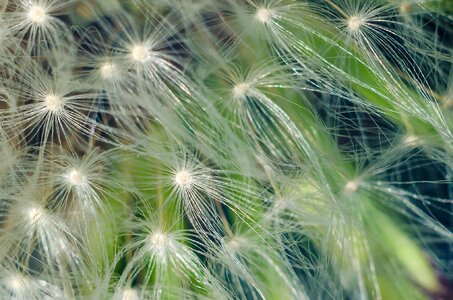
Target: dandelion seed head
{"type": "Point", "coordinates": [240, 90]}
{"type": "Point", "coordinates": [355, 22]}
{"type": "Point", "coordinates": [37, 14]}
{"type": "Point", "coordinates": [263, 15]}
{"type": "Point", "coordinates": [183, 178]}
{"type": "Point", "coordinates": [108, 70]}
{"type": "Point", "coordinates": [75, 177]}
{"type": "Point", "coordinates": [53, 103]}
{"type": "Point", "coordinates": [139, 53]}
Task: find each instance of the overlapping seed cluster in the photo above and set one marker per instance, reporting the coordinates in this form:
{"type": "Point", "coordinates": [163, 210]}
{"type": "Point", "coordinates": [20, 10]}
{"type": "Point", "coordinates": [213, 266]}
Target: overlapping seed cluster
{"type": "Point", "coordinates": [236, 149]}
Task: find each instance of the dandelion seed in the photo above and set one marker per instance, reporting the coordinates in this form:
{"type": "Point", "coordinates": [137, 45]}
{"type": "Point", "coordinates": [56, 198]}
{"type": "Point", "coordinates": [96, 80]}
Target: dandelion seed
{"type": "Point", "coordinates": [158, 254]}
{"type": "Point", "coordinates": [58, 113]}
{"type": "Point", "coordinates": [151, 60]}
{"type": "Point", "coordinates": [17, 285]}
{"type": "Point", "coordinates": [37, 228]}
{"type": "Point", "coordinates": [35, 22]}
{"type": "Point", "coordinates": [80, 183]}
{"type": "Point", "coordinates": [263, 15]}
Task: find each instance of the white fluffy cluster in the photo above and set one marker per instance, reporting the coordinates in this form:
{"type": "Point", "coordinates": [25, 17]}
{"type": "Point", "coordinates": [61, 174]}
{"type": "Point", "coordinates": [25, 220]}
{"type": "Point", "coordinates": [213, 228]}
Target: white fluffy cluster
{"type": "Point", "coordinates": [199, 149]}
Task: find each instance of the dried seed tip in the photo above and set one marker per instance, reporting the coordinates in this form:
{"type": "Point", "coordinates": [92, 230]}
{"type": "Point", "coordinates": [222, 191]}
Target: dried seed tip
{"type": "Point", "coordinates": [35, 214]}
{"type": "Point", "coordinates": [235, 243]}
{"type": "Point", "coordinates": [159, 239]}
{"type": "Point", "coordinates": [139, 53]}
{"type": "Point", "coordinates": [352, 186]}
{"type": "Point", "coordinates": [411, 140]}
{"type": "Point", "coordinates": [183, 178]}
{"type": "Point", "coordinates": [263, 15]}
{"type": "Point", "coordinates": [405, 8]}
{"type": "Point", "coordinates": [16, 283]}
{"type": "Point", "coordinates": [75, 177]}
{"type": "Point", "coordinates": [37, 14]}
{"type": "Point", "coordinates": [448, 102]}
{"type": "Point", "coordinates": [53, 102]}
{"type": "Point", "coordinates": [129, 294]}
{"type": "Point", "coordinates": [107, 70]}
{"type": "Point", "coordinates": [355, 22]}
{"type": "Point", "coordinates": [240, 90]}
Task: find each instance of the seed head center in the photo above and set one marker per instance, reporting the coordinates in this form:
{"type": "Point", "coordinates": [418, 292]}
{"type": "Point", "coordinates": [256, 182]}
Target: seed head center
{"type": "Point", "coordinates": [107, 70]}
{"type": "Point", "coordinates": [75, 177]}
{"type": "Point", "coordinates": [37, 14]}
{"type": "Point", "coordinates": [183, 178]}
{"type": "Point", "coordinates": [16, 282]}
{"type": "Point", "coordinates": [352, 186]}
{"type": "Point", "coordinates": [129, 294]}
{"type": "Point", "coordinates": [35, 214]}
{"type": "Point", "coordinates": [355, 22]}
{"type": "Point", "coordinates": [240, 90]}
{"type": "Point", "coordinates": [53, 102]}
{"type": "Point", "coordinates": [235, 243]}
{"type": "Point", "coordinates": [139, 53]}
{"type": "Point", "coordinates": [159, 239]}
{"type": "Point", "coordinates": [263, 15]}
